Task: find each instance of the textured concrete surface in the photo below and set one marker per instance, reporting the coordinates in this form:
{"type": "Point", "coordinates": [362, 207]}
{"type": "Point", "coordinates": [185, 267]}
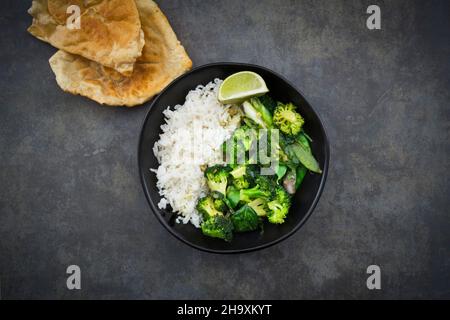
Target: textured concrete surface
{"type": "Point", "coordinates": [69, 186]}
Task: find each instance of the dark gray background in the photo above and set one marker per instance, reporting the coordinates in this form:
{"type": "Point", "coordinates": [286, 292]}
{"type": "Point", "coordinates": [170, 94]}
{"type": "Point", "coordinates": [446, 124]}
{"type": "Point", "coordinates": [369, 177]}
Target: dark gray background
{"type": "Point", "coordinates": [70, 191]}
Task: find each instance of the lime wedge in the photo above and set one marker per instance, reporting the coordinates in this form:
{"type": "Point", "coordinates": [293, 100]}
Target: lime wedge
{"type": "Point", "coordinates": [241, 86]}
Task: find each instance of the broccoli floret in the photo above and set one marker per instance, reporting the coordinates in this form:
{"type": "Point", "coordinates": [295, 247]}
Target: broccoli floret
{"type": "Point", "coordinates": [206, 206]}
{"type": "Point", "coordinates": [241, 183]}
{"type": "Point", "coordinates": [266, 183]}
{"type": "Point", "coordinates": [288, 119]}
{"type": "Point", "coordinates": [263, 189]}
{"type": "Point", "coordinates": [236, 149]}
{"type": "Point", "coordinates": [219, 201]}
{"type": "Point", "coordinates": [217, 178]}
{"type": "Point", "coordinates": [243, 176]}
{"type": "Point", "coordinates": [252, 170]}
{"type": "Point", "coordinates": [239, 171]}
{"type": "Point", "coordinates": [277, 213]}
{"type": "Point", "coordinates": [220, 205]}
{"type": "Point", "coordinates": [259, 206]}
{"type": "Point", "coordinates": [282, 196]}
{"type": "Point", "coordinates": [247, 195]}
{"type": "Point", "coordinates": [245, 219]}
{"type": "Point", "coordinates": [279, 206]}
{"type": "Point", "coordinates": [245, 136]}
{"type": "Point", "coordinates": [233, 196]}
{"type": "Point", "coordinates": [258, 113]}
{"type": "Point", "coordinates": [218, 227]}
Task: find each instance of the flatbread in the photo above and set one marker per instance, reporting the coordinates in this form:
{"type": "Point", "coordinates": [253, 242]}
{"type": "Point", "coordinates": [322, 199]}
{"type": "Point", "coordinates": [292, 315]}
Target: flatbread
{"type": "Point", "coordinates": [110, 30]}
{"type": "Point", "coordinates": [163, 59]}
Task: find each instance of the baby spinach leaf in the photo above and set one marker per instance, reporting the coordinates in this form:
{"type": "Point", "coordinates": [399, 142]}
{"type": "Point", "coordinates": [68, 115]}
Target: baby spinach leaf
{"type": "Point", "coordinates": [305, 157]}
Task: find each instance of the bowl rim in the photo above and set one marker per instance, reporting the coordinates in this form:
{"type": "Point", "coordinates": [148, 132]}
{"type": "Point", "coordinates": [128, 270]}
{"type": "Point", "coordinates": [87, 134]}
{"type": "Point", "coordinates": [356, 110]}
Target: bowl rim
{"type": "Point", "coordinates": [156, 211]}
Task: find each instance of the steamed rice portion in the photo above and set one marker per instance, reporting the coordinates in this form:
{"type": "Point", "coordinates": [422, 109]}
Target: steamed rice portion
{"type": "Point", "coordinates": [191, 140]}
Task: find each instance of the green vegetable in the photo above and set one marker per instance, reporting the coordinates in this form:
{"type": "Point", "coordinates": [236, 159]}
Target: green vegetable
{"type": "Point", "coordinates": [217, 178]}
{"type": "Point", "coordinates": [280, 171]}
{"type": "Point", "coordinates": [259, 206]}
{"type": "Point", "coordinates": [268, 102]}
{"type": "Point", "coordinates": [303, 140]}
{"type": "Point", "coordinates": [266, 183]}
{"type": "Point", "coordinates": [252, 171]}
{"type": "Point", "coordinates": [263, 189]}
{"type": "Point", "coordinates": [307, 136]}
{"type": "Point", "coordinates": [240, 196]}
{"type": "Point", "coordinates": [243, 139]}
{"type": "Point", "coordinates": [289, 158]}
{"type": "Point", "coordinates": [245, 219]}
{"type": "Point", "coordinates": [245, 136]}
{"type": "Point", "coordinates": [266, 115]}
{"type": "Point", "coordinates": [242, 176]}
{"type": "Point", "coordinates": [241, 183]}
{"type": "Point", "coordinates": [250, 123]}
{"type": "Point", "coordinates": [279, 206]}
{"type": "Point", "coordinates": [218, 227]}
{"type": "Point", "coordinates": [247, 195]}
{"type": "Point", "coordinates": [287, 119]}
{"type": "Point", "coordinates": [206, 206]}
{"type": "Point", "coordinates": [233, 196]}
{"type": "Point", "coordinates": [219, 201]}
{"type": "Point", "coordinates": [258, 113]}
{"type": "Point", "coordinates": [278, 212]}
{"type": "Point", "coordinates": [239, 171]}
{"type": "Point", "coordinates": [305, 157]}
{"type": "Point", "coordinates": [300, 175]}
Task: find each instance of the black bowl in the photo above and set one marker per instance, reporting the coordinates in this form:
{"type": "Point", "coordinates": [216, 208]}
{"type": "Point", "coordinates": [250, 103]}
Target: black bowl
{"type": "Point", "coordinates": [305, 199]}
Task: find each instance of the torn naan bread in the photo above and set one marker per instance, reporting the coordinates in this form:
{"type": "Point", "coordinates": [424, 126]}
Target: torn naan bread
{"type": "Point", "coordinates": [110, 30]}
{"type": "Point", "coordinates": [163, 59]}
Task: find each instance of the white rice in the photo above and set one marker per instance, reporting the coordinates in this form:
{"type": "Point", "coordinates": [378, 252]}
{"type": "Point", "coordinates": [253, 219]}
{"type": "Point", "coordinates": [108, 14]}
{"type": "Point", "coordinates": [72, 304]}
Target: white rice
{"type": "Point", "coordinates": [192, 137]}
